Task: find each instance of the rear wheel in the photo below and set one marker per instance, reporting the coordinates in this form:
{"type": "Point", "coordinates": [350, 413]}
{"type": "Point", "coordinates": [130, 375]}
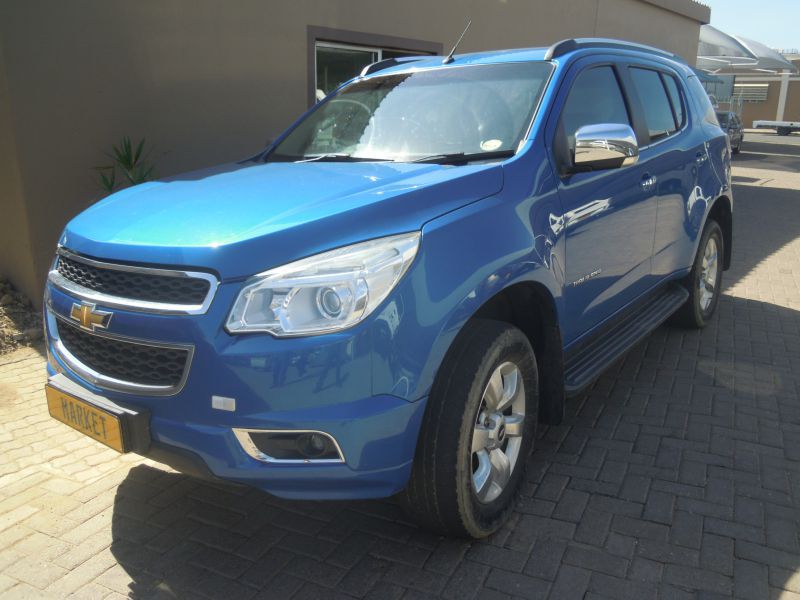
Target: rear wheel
{"type": "Point", "coordinates": [478, 431]}
{"type": "Point", "coordinates": [784, 131]}
{"type": "Point", "coordinates": [704, 282]}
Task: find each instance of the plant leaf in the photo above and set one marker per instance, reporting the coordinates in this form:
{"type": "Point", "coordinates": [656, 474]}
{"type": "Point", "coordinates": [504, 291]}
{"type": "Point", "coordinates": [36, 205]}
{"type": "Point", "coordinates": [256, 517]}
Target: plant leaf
{"type": "Point", "coordinates": [138, 152]}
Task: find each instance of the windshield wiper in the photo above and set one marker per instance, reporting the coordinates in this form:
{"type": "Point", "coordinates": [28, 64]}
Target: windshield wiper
{"type": "Point", "coordinates": [327, 156]}
{"type": "Point", "coordinates": [339, 156]}
{"type": "Point", "coordinates": [455, 158]}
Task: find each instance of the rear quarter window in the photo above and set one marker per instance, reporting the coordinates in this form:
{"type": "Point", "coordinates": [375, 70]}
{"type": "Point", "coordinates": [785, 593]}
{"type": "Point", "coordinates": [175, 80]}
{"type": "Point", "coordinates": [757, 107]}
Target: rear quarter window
{"type": "Point", "coordinates": [700, 95]}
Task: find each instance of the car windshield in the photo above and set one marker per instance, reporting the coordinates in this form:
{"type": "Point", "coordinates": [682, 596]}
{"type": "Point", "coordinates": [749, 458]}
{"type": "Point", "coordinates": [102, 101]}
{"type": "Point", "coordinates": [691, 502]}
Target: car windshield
{"type": "Point", "coordinates": [723, 118]}
{"type": "Point", "coordinates": [474, 111]}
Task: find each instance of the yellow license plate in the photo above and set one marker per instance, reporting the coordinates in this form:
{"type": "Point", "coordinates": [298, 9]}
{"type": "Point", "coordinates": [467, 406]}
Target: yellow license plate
{"type": "Point", "coordinates": [86, 418]}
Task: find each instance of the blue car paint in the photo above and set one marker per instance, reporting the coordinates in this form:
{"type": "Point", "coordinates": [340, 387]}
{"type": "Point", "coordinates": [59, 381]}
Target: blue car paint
{"type": "Point", "coordinates": [246, 219]}
{"type": "Point", "coordinates": [485, 227]}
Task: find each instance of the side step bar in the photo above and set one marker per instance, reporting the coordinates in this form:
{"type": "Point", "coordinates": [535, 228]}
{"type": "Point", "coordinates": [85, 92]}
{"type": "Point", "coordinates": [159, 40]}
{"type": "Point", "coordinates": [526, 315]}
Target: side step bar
{"type": "Point", "coordinates": [589, 361]}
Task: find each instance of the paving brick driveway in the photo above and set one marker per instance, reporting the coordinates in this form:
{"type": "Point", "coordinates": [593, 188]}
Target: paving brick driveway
{"type": "Point", "coordinates": [677, 476]}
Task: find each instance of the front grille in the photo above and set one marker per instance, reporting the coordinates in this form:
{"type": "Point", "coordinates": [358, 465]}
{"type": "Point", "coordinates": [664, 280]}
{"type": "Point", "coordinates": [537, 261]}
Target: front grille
{"type": "Point", "coordinates": [127, 361]}
{"type": "Point", "coordinates": [134, 285]}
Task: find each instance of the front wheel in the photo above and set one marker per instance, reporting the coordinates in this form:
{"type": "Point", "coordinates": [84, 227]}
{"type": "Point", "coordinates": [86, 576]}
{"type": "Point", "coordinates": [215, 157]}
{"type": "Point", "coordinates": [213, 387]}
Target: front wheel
{"type": "Point", "coordinates": [478, 431]}
{"type": "Point", "coordinates": [704, 282]}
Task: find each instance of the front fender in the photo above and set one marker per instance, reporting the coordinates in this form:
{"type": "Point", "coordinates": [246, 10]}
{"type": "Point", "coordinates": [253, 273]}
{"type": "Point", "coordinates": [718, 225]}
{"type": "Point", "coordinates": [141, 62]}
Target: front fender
{"type": "Point", "coordinates": [466, 258]}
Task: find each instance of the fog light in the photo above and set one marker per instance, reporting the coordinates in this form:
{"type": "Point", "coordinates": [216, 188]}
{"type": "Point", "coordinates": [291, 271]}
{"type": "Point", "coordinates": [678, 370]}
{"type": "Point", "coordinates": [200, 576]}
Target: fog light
{"type": "Point", "coordinates": [313, 445]}
{"type": "Point", "coordinates": [289, 446]}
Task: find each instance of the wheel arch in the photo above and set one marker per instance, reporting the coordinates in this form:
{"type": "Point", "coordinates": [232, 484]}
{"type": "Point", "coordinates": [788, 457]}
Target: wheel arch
{"type": "Point", "coordinates": [722, 212]}
{"type": "Point", "coordinates": [530, 307]}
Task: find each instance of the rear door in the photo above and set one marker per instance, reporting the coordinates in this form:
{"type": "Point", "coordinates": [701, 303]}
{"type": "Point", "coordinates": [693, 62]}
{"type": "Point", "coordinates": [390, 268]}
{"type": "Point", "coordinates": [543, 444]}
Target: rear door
{"type": "Point", "coordinates": [608, 215]}
{"type": "Point", "coordinates": [669, 155]}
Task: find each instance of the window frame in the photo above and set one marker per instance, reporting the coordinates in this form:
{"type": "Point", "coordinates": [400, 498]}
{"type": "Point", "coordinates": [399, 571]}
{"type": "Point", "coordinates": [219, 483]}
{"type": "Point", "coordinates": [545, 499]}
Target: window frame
{"type": "Point", "coordinates": [357, 40]}
{"type": "Point", "coordinates": [660, 76]}
{"type": "Point", "coordinates": [663, 71]}
{"type": "Point", "coordinates": [679, 126]}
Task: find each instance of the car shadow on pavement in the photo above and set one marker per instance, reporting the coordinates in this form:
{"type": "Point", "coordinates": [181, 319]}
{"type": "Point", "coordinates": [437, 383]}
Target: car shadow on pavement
{"type": "Point", "coordinates": [682, 459]}
{"type": "Point", "coordinates": [679, 471]}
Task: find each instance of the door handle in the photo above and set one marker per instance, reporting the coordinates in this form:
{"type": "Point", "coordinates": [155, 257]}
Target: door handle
{"type": "Point", "coordinates": [649, 182]}
{"type": "Point", "coordinates": [701, 157]}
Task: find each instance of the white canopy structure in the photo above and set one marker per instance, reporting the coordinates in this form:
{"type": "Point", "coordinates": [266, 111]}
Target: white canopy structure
{"type": "Point", "coordinates": [721, 53]}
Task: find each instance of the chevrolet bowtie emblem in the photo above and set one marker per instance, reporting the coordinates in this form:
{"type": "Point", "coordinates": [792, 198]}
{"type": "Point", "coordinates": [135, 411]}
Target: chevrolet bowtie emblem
{"type": "Point", "coordinates": [90, 318]}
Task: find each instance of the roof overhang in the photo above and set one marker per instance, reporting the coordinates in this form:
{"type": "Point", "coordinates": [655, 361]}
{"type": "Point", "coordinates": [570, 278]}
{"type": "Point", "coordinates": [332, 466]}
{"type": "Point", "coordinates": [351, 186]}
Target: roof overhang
{"type": "Point", "coordinates": [722, 53]}
{"type": "Point", "coordinates": [686, 8]}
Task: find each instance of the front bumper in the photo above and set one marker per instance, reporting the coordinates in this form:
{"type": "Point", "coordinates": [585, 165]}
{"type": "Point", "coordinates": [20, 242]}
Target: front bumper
{"type": "Point", "coordinates": [322, 384]}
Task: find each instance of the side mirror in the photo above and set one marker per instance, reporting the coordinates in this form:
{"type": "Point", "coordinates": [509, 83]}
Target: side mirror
{"type": "Point", "coordinates": [605, 146]}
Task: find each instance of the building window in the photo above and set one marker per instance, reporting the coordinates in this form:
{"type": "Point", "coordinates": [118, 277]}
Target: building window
{"type": "Point", "coordinates": [336, 63]}
{"type": "Point", "coordinates": [751, 92]}
{"type": "Point", "coordinates": [336, 55]}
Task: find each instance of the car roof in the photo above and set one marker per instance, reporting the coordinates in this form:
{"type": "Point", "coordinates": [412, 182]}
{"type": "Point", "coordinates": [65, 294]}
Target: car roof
{"type": "Point", "coordinates": [537, 54]}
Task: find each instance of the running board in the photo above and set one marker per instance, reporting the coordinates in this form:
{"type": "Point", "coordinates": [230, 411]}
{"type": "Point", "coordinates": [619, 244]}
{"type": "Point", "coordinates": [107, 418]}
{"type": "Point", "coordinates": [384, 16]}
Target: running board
{"type": "Point", "coordinates": [589, 361]}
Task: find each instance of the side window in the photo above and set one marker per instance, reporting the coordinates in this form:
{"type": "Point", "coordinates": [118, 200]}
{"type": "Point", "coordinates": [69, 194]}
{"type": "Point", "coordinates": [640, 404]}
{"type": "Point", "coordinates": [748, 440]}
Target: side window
{"type": "Point", "coordinates": [595, 98]}
{"type": "Point", "coordinates": [653, 96]}
{"type": "Point", "coordinates": [675, 98]}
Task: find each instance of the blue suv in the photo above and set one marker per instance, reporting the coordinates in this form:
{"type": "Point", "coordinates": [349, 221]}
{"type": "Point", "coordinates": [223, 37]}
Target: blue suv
{"type": "Point", "coordinates": [392, 296]}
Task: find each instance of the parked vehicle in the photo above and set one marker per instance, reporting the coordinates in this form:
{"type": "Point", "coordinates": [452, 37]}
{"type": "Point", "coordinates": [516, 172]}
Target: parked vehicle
{"type": "Point", "coordinates": [781, 127]}
{"type": "Point", "coordinates": [391, 297]}
{"type": "Point", "coordinates": [732, 124]}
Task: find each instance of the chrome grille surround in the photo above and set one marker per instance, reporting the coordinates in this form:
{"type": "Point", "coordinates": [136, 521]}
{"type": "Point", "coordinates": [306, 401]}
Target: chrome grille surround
{"type": "Point", "coordinates": [82, 292]}
{"type": "Point", "coordinates": [106, 381]}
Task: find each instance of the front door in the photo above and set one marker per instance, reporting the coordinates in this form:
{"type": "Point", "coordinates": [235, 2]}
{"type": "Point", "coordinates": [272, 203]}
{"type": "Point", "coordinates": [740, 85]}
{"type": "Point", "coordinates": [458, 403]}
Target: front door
{"type": "Point", "coordinates": [609, 215]}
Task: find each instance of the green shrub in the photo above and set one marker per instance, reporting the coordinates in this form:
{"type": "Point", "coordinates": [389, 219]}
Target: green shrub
{"type": "Point", "coordinates": [129, 162]}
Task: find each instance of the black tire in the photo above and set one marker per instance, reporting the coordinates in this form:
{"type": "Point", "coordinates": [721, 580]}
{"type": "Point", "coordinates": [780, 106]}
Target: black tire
{"type": "Point", "coordinates": [738, 148]}
{"type": "Point", "coordinates": [441, 495]}
{"type": "Point", "coordinates": [693, 314]}
{"type": "Point", "coordinates": [784, 131]}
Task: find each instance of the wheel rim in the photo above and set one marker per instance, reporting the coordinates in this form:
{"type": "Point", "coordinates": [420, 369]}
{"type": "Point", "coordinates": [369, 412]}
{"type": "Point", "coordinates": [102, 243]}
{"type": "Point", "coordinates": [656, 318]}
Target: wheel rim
{"type": "Point", "coordinates": [498, 430]}
{"type": "Point", "coordinates": [707, 282]}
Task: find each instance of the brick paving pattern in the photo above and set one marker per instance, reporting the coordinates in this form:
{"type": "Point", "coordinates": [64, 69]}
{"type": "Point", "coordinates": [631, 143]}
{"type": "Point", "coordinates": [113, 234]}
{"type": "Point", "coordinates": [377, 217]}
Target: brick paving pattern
{"type": "Point", "coordinates": [676, 476]}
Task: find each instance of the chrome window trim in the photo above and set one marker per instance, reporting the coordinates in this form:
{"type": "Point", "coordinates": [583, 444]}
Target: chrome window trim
{"type": "Point", "coordinates": [243, 437]}
{"type": "Point", "coordinates": [111, 383]}
{"type": "Point", "coordinates": [167, 308]}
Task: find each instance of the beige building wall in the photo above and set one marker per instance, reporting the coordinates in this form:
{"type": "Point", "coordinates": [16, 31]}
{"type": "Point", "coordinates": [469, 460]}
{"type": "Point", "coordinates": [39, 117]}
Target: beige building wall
{"type": "Point", "coordinates": [16, 260]}
{"type": "Point", "coordinates": [208, 81]}
{"type": "Point", "coordinates": [768, 110]}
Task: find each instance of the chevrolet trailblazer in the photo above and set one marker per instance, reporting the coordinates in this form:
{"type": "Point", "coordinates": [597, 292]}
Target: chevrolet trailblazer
{"type": "Point", "coordinates": [390, 297]}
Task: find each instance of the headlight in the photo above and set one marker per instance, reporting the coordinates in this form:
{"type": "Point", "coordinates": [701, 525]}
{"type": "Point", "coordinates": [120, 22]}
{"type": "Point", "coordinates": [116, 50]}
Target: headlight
{"type": "Point", "coordinates": [323, 293]}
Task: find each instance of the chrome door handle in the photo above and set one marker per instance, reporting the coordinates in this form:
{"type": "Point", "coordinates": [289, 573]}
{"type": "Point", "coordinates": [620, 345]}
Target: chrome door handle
{"type": "Point", "coordinates": [649, 182]}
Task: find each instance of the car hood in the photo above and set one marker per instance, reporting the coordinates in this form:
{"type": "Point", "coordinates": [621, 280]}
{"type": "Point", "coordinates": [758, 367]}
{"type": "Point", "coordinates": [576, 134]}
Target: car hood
{"type": "Point", "coordinates": [241, 219]}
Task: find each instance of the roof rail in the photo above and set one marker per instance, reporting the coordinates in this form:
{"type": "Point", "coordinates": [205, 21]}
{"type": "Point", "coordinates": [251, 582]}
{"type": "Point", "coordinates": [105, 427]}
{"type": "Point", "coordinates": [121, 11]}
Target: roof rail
{"type": "Point", "coordinates": [564, 46]}
{"type": "Point", "coordinates": [389, 62]}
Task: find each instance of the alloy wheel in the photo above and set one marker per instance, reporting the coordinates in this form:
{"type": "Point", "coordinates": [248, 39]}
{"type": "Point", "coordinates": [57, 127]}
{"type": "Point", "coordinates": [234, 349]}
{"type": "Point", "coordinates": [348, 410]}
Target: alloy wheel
{"type": "Point", "coordinates": [707, 282]}
{"type": "Point", "coordinates": [497, 435]}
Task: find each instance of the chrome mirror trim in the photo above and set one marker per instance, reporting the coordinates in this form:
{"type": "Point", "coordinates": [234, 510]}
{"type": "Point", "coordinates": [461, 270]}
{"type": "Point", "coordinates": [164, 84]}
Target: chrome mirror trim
{"type": "Point", "coordinates": [605, 146]}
